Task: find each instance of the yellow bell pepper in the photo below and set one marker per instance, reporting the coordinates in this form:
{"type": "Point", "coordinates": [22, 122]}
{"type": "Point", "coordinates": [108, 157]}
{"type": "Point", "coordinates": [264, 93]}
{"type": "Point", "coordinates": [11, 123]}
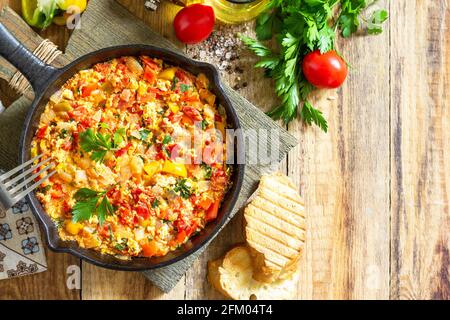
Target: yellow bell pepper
{"type": "Point", "coordinates": [34, 151]}
{"type": "Point", "coordinates": [177, 169]}
{"type": "Point", "coordinates": [66, 4]}
{"type": "Point", "coordinates": [173, 107]}
{"type": "Point", "coordinates": [153, 168]}
{"type": "Point", "coordinates": [73, 228]}
{"type": "Point", "coordinates": [167, 74]}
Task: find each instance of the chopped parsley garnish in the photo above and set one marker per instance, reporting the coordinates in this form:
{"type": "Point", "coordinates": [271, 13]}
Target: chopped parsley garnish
{"type": "Point", "coordinates": [119, 136]}
{"type": "Point", "coordinates": [122, 245]}
{"type": "Point", "coordinates": [204, 124]}
{"type": "Point", "coordinates": [174, 83]}
{"type": "Point", "coordinates": [167, 139]}
{"type": "Point", "coordinates": [183, 189]}
{"type": "Point", "coordinates": [144, 134]}
{"type": "Point", "coordinates": [90, 203]}
{"type": "Point", "coordinates": [207, 169]}
{"type": "Point", "coordinates": [184, 87]}
{"type": "Point", "coordinates": [155, 203]}
{"type": "Point", "coordinates": [63, 134]}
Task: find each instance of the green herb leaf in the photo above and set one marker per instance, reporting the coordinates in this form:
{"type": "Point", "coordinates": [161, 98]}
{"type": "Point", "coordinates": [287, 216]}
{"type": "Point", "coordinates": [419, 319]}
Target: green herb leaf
{"type": "Point", "coordinates": [90, 203]}
{"type": "Point", "coordinates": [96, 142]}
{"type": "Point", "coordinates": [374, 24]}
{"type": "Point", "coordinates": [167, 139]}
{"type": "Point", "coordinates": [119, 136]}
{"type": "Point", "coordinates": [144, 134]}
{"type": "Point", "coordinates": [184, 87]}
{"type": "Point", "coordinates": [155, 203]}
{"type": "Point", "coordinates": [254, 45]}
{"type": "Point", "coordinates": [183, 189]}
{"type": "Point", "coordinates": [204, 124]}
{"type": "Point", "coordinates": [311, 115]}
{"type": "Point", "coordinates": [207, 169]}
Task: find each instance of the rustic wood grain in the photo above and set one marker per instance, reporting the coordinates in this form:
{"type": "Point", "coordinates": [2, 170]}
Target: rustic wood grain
{"type": "Point", "coordinates": [420, 149]}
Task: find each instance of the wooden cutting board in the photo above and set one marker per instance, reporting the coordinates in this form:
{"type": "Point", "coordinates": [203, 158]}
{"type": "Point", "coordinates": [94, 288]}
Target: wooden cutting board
{"type": "Point", "coordinates": [106, 23]}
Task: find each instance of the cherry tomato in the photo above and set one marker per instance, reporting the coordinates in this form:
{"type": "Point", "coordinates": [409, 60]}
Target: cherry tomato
{"type": "Point", "coordinates": [194, 23]}
{"type": "Point", "coordinates": [326, 70]}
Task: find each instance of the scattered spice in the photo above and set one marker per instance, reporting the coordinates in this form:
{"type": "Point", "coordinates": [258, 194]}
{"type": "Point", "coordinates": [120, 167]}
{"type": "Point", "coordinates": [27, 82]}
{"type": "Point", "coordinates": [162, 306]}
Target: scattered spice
{"type": "Point", "coordinates": [223, 49]}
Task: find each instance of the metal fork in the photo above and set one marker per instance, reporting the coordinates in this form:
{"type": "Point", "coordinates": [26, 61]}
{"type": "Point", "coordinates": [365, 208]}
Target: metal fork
{"type": "Point", "coordinates": [12, 189]}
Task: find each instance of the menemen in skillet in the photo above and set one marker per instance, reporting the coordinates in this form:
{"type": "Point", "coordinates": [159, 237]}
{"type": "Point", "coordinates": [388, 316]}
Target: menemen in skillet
{"type": "Point", "coordinates": [133, 178]}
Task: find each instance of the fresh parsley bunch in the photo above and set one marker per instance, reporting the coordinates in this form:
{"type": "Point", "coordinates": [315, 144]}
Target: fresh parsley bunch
{"type": "Point", "coordinates": [300, 27]}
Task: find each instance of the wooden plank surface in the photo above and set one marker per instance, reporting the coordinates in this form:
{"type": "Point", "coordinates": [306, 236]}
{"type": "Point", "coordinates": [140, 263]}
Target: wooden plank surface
{"type": "Point", "coordinates": [376, 186]}
{"type": "Point", "coordinates": [420, 149]}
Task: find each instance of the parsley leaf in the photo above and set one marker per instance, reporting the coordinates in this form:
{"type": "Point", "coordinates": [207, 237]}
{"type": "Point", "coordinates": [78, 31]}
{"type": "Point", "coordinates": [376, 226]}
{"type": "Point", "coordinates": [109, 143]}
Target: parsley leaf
{"type": "Point", "coordinates": [97, 143]}
{"type": "Point", "coordinates": [204, 124]}
{"type": "Point", "coordinates": [208, 170]}
{"type": "Point", "coordinates": [144, 134]}
{"type": "Point", "coordinates": [167, 139]}
{"type": "Point", "coordinates": [119, 136]}
{"type": "Point", "coordinates": [183, 189]}
{"type": "Point", "coordinates": [90, 203]}
{"type": "Point", "coordinates": [155, 203]}
{"type": "Point", "coordinates": [184, 87]}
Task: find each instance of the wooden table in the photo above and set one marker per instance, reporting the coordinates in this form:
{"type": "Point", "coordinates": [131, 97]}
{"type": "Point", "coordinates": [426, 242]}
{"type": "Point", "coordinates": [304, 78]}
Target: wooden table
{"type": "Point", "coordinates": [376, 186]}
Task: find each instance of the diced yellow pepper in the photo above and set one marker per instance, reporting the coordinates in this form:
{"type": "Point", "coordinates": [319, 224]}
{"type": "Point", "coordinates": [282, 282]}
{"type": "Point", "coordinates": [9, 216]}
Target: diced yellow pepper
{"type": "Point", "coordinates": [142, 88]}
{"type": "Point", "coordinates": [173, 107]}
{"type": "Point", "coordinates": [177, 169]}
{"type": "Point", "coordinates": [153, 168]}
{"type": "Point", "coordinates": [34, 151]}
{"type": "Point", "coordinates": [73, 228]}
{"type": "Point", "coordinates": [167, 74]}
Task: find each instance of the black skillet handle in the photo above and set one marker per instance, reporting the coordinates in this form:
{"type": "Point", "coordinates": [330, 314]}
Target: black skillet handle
{"type": "Point", "coordinates": [35, 70]}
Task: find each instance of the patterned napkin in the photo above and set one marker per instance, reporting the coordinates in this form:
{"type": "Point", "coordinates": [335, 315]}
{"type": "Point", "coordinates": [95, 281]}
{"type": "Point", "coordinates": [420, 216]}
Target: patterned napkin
{"type": "Point", "coordinates": [21, 248]}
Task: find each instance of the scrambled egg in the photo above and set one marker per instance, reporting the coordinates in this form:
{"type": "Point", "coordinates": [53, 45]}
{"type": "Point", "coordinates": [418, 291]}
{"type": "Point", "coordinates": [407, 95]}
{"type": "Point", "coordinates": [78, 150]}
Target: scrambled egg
{"type": "Point", "coordinates": [120, 135]}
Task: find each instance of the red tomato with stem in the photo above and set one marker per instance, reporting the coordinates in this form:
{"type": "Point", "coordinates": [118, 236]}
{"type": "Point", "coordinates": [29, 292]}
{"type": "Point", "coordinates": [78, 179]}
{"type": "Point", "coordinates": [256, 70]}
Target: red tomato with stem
{"type": "Point", "coordinates": [194, 23]}
{"type": "Point", "coordinates": [324, 70]}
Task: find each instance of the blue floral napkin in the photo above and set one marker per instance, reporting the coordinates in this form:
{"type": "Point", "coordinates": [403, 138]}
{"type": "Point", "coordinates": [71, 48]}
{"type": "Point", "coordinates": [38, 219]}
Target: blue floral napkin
{"type": "Point", "coordinates": [21, 248]}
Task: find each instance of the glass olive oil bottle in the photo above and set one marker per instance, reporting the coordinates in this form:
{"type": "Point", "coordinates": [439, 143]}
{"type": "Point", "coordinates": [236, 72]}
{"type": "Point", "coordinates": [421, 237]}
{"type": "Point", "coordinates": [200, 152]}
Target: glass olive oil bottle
{"type": "Point", "coordinates": [232, 11]}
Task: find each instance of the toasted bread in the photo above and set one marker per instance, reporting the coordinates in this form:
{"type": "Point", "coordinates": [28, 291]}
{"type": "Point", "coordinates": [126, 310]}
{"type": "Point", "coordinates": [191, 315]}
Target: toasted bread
{"type": "Point", "coordinates": [232, 275]}
{"type": "Point", "coordinates": [275, 228]}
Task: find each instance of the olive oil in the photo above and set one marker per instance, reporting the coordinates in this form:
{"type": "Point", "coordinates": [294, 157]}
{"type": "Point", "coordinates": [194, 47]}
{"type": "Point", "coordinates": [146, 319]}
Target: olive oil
{"type": "Point", "coordinates": [236, 11]}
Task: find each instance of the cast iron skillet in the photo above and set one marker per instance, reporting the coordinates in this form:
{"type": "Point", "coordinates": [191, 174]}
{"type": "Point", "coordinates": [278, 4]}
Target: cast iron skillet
{"type": "Point", "coordinates": [46, 80]}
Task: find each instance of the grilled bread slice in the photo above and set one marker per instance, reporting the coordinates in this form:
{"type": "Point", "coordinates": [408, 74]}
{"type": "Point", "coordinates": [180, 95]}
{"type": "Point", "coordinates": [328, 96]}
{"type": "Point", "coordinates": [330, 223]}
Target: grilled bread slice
{"type": "Point", "coordinates": [232, 275]}
{"type": "Point", "coordinates": [275, 228]}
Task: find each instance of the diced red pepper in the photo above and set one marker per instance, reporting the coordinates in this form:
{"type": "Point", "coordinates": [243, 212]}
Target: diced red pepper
{"type": "Point", "coordinates": [136, 193]}
{"type": "Point", "coordinates": [122, 151]}
{"type": "Point", "coordinates": [211, 213]}
{"type": "Point", "coordinates": [150, 63]}
{"type": "Point", "coordinates": [41, 132]}
{"type": "Point", "coordinates": [218, 118]}
{"type": "Point", "coordinates": [192, 113]}
{"type": "Point", "coordinates": [87, 90]}
{"type": "Point", "coordinates": [149, 75]}
{"type": "Point", "coordinates": [205, 203]}
{"type": "Point", "coordinates": [174, 151]}
{"type": "Point", "coordinates": [142, 211]}
{"type": "Point", "coordinates": [65, 207]}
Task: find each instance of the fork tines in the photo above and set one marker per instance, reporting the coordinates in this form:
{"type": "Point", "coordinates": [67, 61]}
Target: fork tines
{"type": "Point", "coordinates": [14, 184]}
